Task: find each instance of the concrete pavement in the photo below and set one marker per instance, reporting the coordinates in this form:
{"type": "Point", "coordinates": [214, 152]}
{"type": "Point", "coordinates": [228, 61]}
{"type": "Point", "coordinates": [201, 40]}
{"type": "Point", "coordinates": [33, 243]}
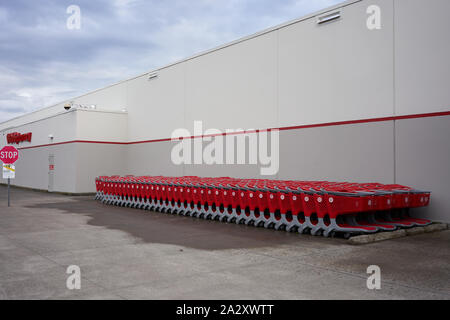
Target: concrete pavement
{"type": "Point", "coordinates": [132, 254]}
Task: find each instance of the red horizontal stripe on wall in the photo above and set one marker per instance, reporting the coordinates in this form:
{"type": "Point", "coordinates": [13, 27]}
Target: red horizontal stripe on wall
{"type": "Point", "coordinates": [327, 124]}
{"type": "Point", "coordinates": [412, 116]}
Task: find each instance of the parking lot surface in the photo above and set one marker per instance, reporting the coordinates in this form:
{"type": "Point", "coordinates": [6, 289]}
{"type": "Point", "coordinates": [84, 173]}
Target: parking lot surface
{"type": "Point", "coordinates": [128, 253]}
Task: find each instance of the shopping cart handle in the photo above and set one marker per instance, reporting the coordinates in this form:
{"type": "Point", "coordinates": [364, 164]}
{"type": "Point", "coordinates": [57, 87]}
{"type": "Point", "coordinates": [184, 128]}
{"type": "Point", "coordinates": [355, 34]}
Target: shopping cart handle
{"type": "Point", "coordinates": [347, 194]}
{"type": "Point", "coordinates": [310, 193]}
{"type": "Point", "coordinates": [419, 191]}
{"type": "Point", "coordinates": [401, 191]}
{"type": "Point", "coordinates": [261, 190]}
{"type": "Point", "coordinates": [295, 191]}
{"type": "Point", "coordinates": [383, 193]}
{"type": "Point", "coordinates": [278, 189]}
{"type": "Point", "coordinates": [317, 191]}
{"type": "Point", "coordinates": [232, 188]}
{"type": "Point", "coordinates": [364, 193]}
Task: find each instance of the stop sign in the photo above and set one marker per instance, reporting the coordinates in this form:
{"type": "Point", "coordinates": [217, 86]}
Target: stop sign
{"type": "Point", "coordinates": [9, 154]}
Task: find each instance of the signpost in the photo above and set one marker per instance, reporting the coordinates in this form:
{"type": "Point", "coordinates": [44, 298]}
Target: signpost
{"type": "Point", "coordinates": [9, 155]}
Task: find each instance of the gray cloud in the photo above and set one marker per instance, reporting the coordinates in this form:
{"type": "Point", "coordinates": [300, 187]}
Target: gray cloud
{"type": "Point", "coordinates": [42, 62]}
{"type": "Point", "coordinates": [12, 109]}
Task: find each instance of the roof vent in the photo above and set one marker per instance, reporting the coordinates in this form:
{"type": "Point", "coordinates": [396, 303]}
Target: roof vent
{"type": "Point", "coordinates": [329, 17]}
{"type": "Point", "coordinates": [152, 76]}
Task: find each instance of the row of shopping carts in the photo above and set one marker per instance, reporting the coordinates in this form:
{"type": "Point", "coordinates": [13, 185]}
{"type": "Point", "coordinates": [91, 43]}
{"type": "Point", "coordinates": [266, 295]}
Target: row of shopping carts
{"type": "Point", "coordinates": [317, 207]}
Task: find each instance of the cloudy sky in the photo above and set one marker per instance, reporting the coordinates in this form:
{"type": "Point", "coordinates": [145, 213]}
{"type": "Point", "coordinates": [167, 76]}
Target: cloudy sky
{"type": "Point", "coordinates": [42, 62]}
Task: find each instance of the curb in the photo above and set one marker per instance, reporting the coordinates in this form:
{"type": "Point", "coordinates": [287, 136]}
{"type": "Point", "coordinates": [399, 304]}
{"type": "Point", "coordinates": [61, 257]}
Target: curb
{"type": "Point", "coordinates": [370, 238]}
{"type": "Point", "coordinates": [75, 194]}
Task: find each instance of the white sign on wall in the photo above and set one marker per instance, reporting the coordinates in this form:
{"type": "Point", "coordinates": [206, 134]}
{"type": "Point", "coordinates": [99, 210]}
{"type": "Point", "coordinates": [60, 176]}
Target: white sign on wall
{"type": "Point", "coordinates": [9, 171]}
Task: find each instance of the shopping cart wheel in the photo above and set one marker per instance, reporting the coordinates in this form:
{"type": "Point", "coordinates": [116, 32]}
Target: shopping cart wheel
{"type": "Point", "coordinates": [250, 223]}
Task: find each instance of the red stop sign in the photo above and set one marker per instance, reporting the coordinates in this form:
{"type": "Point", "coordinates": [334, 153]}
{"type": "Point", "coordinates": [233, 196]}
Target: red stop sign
{"type": "Point", "coordinates": [9, 154]}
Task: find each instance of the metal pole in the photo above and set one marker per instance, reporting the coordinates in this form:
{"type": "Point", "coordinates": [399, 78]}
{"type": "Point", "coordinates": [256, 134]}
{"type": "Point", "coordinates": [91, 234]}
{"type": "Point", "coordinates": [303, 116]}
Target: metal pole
{"type": "Point", "coordinates": [9, 180]}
